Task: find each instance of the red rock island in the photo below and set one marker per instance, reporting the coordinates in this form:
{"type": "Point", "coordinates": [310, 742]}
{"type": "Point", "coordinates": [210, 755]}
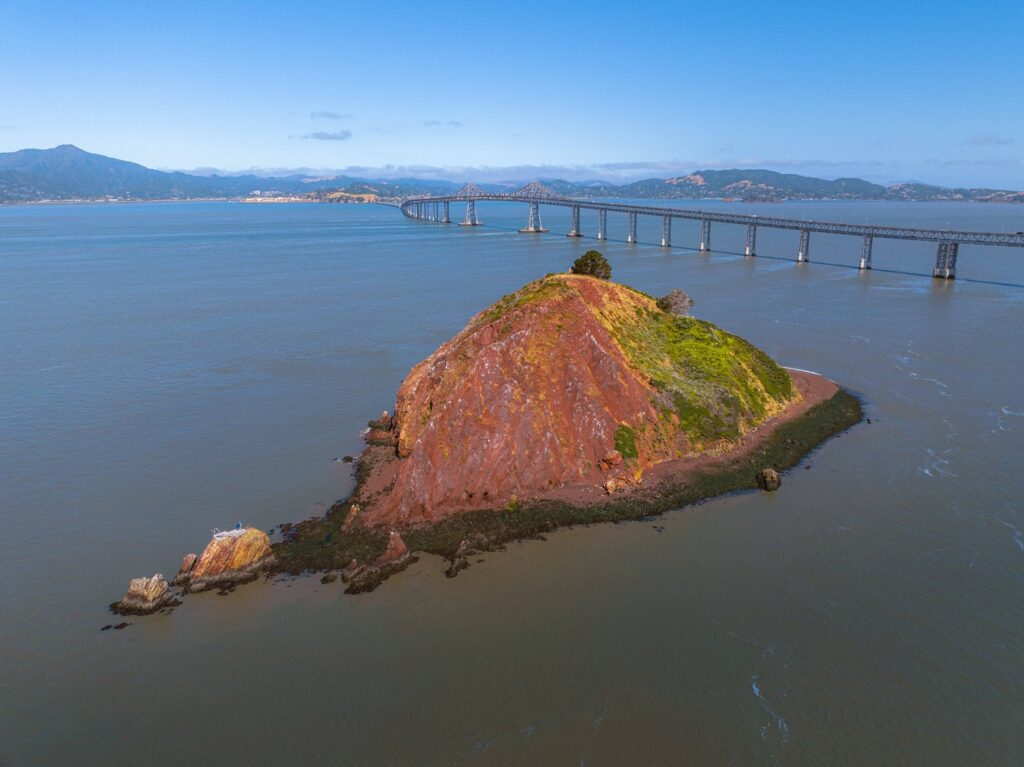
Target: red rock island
{"type": "Point", "coordinates": [573, 400]}
{"type": "Point", "coordinates": [570, 382]}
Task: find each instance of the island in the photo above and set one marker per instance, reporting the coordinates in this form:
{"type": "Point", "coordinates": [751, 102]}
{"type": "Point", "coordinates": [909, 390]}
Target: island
{"type": "Point", "coordinates": [574, 400]}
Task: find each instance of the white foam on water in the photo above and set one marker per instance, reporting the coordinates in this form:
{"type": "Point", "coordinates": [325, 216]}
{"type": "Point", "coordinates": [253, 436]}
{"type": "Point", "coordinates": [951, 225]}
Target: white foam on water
{"type": "Point", "coordinates": [779, 722]}
{"type": "Point", "coordinates": [1018, 536]}
{"type": "Point", "coordinates": [938, 465]}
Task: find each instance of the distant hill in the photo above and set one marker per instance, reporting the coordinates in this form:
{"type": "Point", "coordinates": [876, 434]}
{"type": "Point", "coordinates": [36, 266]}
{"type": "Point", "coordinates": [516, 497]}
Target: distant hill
{"type": "Point", "coordinates": [69, 173]}
{"type": "Point", "coordinates": [755, 185]}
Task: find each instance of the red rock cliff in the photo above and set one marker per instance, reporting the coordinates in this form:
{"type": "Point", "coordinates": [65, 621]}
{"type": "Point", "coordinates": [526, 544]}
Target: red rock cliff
{"type": "Point", "coordinates": [544, 385]}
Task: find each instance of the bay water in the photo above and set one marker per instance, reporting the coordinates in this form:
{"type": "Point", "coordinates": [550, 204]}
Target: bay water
{"type": "Point", "coordinates": [170, 368]}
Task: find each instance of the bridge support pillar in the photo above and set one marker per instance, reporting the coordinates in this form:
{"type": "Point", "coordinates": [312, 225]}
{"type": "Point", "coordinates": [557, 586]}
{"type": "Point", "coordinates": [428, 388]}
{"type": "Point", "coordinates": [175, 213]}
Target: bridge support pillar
{"type": "Point", "coordinates": [631, 229]}
{"type": "Point", "coordinates": [574, 229]}
{"type": "Point", "coordinates": [705, 235]}
{"type": "Point", "coordinates": [803, 250]}
{"type": "Point", "coordinates": [534, 226]}
{"type": "Point", "coordinates": [471, 219]}
{"type": "Point", "coordinates": [865, 252]}
{"type": "Point", "coordinates": [750, 249]}
{"type": "Point", "coordinates": [602, 225]}
{"type": "Point", "coordinates": [666, 232]}
{"type": "Point", "coordinates": [945, 261]}
{"type": "Point", "coordinates": [447, 213]}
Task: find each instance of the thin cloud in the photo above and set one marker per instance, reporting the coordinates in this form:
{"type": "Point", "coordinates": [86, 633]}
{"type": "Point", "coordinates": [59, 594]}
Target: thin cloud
{"type": "Point", "coordinates": [328, 115]}
{"type": "Point", "coordinates": [996, 162]}
{"type": "Point", "coordinates": [320, 135]}
{"type": "Point", "coordinates": [441, 123]}
{"type": "Point", "coordinates": [988, 139]}
{"type": "Point", "coordinates": [8, 127]}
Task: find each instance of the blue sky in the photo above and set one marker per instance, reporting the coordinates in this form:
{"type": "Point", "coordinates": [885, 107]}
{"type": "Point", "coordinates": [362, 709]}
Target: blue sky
{"type": "Point", "coordinates": [886, 91]}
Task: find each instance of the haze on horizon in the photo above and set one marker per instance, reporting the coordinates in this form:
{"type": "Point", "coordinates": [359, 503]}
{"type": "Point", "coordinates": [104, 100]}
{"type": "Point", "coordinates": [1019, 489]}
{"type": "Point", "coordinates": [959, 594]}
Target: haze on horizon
{"type": "Point", "coordinates": [923, 91]}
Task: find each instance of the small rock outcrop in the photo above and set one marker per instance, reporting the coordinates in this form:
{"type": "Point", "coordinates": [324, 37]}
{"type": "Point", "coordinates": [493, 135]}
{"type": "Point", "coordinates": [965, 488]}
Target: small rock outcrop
{"type": "Point", "coordinates": [676, 302]}
{"type": "Point", "coordinates": [185, 571]}
{"type": "Point", "coordinates": [144, 596]}
{"type": "Point", "coordinates": [618, 482]}
{"type": "Point", "coordinates": [366, 577]}
{"type": "Point", "coordinates": [234, 556]}
{"type": "Point", "coordinates": [610, 459]}
{"type": "Point", "coordinates": [396, 551]}
{"type": "Point", "coordinates": [769, 479]}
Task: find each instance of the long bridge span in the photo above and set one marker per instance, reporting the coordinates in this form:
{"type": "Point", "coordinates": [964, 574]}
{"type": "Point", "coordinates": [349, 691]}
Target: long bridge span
{"type": "Point", "coordinates": [438, 209]}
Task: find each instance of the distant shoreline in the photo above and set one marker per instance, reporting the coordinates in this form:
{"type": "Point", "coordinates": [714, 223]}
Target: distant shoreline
{"type": "Point", "coordinates": [393, 201]}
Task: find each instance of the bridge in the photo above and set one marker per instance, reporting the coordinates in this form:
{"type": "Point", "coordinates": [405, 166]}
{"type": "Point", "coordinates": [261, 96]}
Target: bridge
{"type": "Point", "coordinates": [438, 209]}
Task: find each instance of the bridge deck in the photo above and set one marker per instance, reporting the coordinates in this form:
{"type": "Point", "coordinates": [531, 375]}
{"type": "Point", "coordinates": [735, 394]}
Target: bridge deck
{"type": "Point", "coordinates": [859, 230]}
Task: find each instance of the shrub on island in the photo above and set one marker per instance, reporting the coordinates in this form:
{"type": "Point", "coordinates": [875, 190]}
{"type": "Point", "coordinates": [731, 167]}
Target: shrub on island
{"type": "Point", "coordinates": [593, 264]}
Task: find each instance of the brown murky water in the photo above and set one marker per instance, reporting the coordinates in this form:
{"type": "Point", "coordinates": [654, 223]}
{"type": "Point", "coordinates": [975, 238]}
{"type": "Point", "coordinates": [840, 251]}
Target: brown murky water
{"type": "Point", "coordinates": [169, 368]}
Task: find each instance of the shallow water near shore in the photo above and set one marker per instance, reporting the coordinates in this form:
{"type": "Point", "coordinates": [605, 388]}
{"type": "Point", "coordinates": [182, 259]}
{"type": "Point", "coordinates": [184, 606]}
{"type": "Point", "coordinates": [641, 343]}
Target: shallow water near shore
{"type": "Point", "coordinates": [168, 368]}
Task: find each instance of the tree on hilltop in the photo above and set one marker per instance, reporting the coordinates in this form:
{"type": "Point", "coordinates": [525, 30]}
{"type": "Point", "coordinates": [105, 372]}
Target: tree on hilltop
{"type": "Point", "coordinates": [594, 264]}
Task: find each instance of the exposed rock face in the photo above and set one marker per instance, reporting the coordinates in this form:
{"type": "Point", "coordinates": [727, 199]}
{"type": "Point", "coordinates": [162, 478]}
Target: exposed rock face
{"type": "Point", "coordinates": [231, 557]}
{"type": "Point", "coordinates": [378, 437]}
{"type": "Point", "coordinates": [144, 596]}
{"type": "Point", "coordinates": [550, 384]}
{"type": "Point", "coordinates": [610, 459]}
{"type": "Point", "coordinates": [769, 479]}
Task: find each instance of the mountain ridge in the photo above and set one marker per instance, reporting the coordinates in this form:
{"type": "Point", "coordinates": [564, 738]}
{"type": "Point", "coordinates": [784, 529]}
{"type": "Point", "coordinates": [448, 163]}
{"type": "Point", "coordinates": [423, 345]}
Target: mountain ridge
{"type": "Point", "coordinates": [68, 173]}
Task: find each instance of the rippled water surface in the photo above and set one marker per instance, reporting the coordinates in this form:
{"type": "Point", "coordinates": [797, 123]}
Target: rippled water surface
{"type": "Point", "coordinates": [169, 368]}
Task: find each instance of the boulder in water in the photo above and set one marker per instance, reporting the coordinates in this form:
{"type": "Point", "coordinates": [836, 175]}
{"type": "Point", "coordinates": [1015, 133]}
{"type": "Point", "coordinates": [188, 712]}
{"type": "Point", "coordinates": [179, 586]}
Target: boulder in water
{"type": "Point", "coordinates": [234, 556]}
{"type": "Point", "coordinates": [769, 479]}
{"type": "Point", "coordinates": [144, 596]}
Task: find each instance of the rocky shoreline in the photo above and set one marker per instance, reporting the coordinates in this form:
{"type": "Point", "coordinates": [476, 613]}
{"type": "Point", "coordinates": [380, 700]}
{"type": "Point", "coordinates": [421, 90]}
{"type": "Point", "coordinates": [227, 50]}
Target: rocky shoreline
{"type": "Point", "coordinates": [366, 557]}
{"type": "Point", "coordinates": [230, 558]}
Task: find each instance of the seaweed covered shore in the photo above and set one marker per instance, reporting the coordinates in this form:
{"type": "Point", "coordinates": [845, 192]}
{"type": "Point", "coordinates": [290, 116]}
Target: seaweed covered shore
{"type": "Point", "coordinates": [331, 543]}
